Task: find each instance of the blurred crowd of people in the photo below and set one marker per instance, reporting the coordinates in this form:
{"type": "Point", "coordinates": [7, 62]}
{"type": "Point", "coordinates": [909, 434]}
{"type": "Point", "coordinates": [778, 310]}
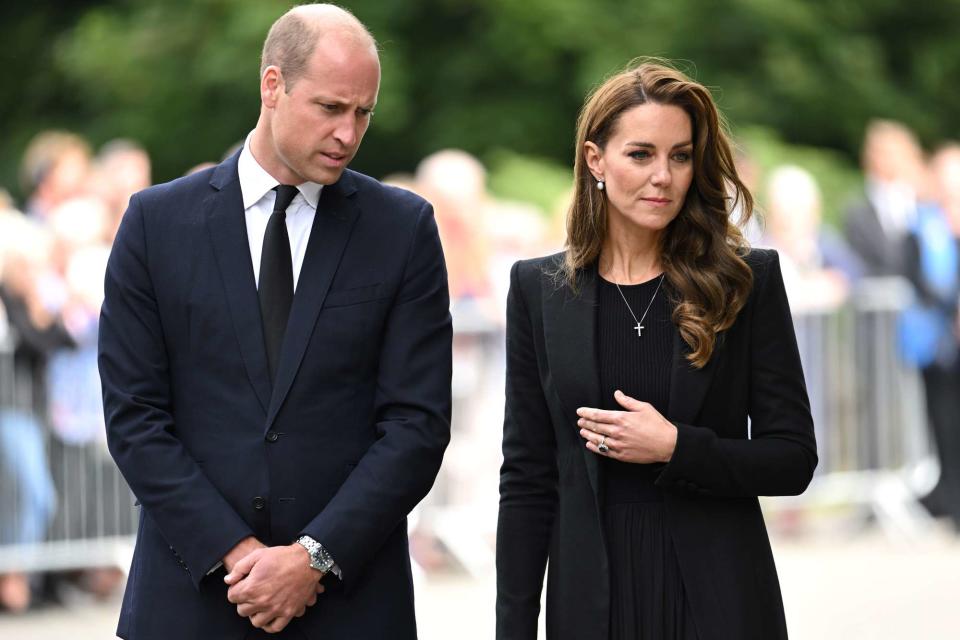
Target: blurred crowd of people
{"type": "Point", "coordinates": [905, 225]}
{"type": "Point", "coordinates": [54, 247]}
{"type": "Point", "coordinates": [53, 255]}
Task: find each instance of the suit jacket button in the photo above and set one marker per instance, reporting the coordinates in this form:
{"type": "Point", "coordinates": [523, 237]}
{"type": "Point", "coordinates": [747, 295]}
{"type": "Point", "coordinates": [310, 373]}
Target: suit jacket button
{"type": "Point", "coordinates": [272, 436]}
{"type": "Point", "coordinates": [259, 503]}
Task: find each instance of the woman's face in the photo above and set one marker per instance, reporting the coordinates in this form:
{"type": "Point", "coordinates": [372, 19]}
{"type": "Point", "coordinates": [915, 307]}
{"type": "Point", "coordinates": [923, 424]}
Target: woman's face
{"type": "Point", "coordinates": [647, 165]}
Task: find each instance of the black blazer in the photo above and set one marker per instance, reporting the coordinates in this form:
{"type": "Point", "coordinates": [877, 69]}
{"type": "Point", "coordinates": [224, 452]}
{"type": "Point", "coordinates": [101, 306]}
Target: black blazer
{"type": "Point", "coordinates": [341, 447]}
{"type": "Point", "coordinates": [550, 502]}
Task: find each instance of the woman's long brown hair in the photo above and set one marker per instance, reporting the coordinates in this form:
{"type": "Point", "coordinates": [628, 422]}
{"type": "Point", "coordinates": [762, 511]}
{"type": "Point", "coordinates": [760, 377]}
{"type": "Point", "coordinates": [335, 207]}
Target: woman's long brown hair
{"type": "Point", "coordinates": [701, 250]}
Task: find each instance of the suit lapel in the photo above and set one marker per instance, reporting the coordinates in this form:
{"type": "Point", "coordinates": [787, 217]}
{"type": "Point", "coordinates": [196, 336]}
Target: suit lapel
{"type": "Point", "coordinates": [688, 385]}
{"type": "Point", "coordinates": [570, 332]}
{"type": "Point", "coordinates": [228, 232]}
{"type": "Point", "coordinates": [332, 224]}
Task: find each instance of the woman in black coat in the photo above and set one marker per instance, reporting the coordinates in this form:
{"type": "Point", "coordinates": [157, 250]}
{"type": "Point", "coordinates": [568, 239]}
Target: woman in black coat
{"type": "Point", "coordinates": [654, 390]}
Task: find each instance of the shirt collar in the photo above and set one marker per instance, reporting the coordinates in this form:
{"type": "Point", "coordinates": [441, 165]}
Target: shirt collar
{"type": "Point", "coordinates": [255, 182]}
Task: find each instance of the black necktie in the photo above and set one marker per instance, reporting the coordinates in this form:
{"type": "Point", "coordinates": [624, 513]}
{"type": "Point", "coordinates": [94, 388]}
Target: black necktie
{"type": "Point", "coordinates": [276, 277]}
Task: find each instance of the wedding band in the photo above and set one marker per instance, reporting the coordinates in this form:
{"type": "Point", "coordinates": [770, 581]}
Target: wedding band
{"type": "Point", "coordinates": [602, 447]}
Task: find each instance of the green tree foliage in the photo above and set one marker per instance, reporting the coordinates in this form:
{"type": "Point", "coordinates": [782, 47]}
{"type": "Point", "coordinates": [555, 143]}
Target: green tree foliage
{"type": "Point", "coordinates": [482, 75]}
{"type": "Point", "coordinates": [34, 95]}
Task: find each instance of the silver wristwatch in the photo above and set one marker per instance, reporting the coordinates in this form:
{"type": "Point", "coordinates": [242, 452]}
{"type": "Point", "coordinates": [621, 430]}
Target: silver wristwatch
{"type": "Point", "coordinates": [320, 559]}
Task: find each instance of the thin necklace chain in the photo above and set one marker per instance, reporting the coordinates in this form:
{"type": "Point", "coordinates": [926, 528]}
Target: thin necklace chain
{"type": "Point", "coordinates": [639, 327]}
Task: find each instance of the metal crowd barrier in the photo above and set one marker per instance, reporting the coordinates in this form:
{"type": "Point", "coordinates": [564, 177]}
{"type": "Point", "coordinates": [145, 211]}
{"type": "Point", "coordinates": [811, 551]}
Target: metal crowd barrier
{"type": "Point", "coordinates": [68, 509]}
{"type": "Point", "coordinates": [869, 412]}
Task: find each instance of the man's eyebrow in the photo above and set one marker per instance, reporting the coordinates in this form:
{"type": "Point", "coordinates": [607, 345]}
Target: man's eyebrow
{"type": "Point", "coordinates": [341, 103]}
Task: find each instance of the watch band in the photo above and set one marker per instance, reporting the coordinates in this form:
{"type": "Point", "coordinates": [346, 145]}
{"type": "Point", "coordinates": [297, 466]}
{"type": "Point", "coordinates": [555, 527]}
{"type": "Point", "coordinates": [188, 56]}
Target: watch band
{"type": "Point", "coordinates": [320, 558]}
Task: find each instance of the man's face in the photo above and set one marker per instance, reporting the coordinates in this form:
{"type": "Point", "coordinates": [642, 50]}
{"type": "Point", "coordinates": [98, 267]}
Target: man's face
{"type": "Point", "coordinates": [317, 124]}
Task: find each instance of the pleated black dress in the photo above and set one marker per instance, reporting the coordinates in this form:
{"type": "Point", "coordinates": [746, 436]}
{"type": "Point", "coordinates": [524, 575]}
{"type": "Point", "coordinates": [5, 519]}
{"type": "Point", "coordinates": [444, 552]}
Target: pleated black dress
{"type": "Point", "coordinates": [647, 592]}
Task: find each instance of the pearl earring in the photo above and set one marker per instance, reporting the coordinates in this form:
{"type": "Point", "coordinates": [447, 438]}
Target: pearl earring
{"type": "Point", "coordinates": [600, 184]}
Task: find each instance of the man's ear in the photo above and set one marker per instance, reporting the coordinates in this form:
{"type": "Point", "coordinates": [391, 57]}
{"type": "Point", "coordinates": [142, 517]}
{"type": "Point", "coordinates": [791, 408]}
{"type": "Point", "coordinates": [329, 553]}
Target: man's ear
{"type": "Point", "coordinates": [271, 84]}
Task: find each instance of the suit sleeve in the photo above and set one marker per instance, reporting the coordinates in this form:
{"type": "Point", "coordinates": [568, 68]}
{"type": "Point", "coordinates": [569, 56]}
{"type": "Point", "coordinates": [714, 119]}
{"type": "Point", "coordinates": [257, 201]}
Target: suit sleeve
{"type": "Point", "coordinates": [781, 455]}
{"type": "Point", "coordinates": [412, 409]}
{"type": "Point", "coordinates": [194, 518]}
{"type": "Point", "coordinates": [528, 479]}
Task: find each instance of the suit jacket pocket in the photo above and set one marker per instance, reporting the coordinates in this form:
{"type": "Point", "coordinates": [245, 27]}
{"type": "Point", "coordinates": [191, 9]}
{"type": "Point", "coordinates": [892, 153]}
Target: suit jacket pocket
{"type": "Point", "coordinates": [353, 295]}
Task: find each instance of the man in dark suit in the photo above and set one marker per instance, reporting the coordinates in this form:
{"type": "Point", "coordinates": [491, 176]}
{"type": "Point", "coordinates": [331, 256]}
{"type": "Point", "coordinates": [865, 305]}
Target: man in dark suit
{"type": "Point", "coordinates": [876, 226]}
{"type": "Point", "coordinates": [275, 353]}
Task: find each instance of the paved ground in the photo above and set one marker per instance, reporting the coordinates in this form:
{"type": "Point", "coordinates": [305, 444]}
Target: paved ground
{"type": "Point", "coordinates": [860, 589]}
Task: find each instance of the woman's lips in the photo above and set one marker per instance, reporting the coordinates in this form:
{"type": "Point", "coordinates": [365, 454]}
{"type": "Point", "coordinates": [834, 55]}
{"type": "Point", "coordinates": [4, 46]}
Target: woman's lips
{"type": "Point", "coordinates": [657, 202]}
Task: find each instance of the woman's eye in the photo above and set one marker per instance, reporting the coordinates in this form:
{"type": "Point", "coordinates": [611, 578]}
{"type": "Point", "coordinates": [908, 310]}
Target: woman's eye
{"type": "Point", "coordinates": [681, 156]}
{"type": "Point", "coordinates": [639, 155]}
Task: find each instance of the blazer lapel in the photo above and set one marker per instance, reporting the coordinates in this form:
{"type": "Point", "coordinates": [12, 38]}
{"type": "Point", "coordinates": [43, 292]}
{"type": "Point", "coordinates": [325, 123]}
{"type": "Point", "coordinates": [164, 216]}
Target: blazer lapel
{"type": "Point", "coordinates": [688, 385]}
{"type": "Point", "coordinates": [332, 224]}
{"type": "Point", "coordinates": [228, 232]}
{"type": "Point", "coordinates": [570, 332]}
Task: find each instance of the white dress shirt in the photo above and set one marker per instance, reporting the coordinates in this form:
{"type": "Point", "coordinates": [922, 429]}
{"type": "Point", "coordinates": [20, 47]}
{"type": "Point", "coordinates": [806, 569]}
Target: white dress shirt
{"type": "Point", "coordinates": [257, 185]}
{"type": "Point", "coordinates": [895, 204]}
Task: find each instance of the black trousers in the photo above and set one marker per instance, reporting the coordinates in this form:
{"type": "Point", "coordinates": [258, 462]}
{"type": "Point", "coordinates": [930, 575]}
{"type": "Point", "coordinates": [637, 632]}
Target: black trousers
{"type": "Point", "coordinates": [942, 386]}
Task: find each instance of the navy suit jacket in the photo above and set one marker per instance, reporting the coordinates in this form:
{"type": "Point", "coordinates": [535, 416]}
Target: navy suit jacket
{"type": "Point", "coordinates": [341, 446]}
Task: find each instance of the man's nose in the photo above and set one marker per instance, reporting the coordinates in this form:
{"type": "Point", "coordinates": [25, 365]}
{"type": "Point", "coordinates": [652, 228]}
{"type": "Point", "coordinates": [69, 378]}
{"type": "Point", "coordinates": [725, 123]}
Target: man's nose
{"type": "Point", "coordinates": [347, 131]}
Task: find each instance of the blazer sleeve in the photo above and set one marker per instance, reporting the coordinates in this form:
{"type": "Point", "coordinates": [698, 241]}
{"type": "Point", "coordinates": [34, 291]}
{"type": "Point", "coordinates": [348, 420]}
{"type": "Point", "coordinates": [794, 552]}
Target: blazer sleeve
{"type": "Point", "coordinates": [412, 409]}
{"type": "Point", "coordinates": [528, 479]}
{"type": "Point", "coordinates": [194, 518]}
{"type": "Point", "coordinates": [781, 455]}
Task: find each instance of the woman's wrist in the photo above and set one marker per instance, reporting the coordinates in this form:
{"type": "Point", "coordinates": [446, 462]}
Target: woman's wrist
{"type": "Point", "coordinates": [671, 446]}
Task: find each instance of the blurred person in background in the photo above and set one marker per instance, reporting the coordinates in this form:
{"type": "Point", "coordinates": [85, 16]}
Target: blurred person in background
{"type": "Point", "coordinates": [56, 167]}
{"type": "Point", "coordinates": [634, 361]}
{"type": "Point", "coordinates": [275, 358]}
{"type": "Point", "coordinates": [33, 332]}
{"type": "Point", "coordinates": [749, 172]}
{"type": "Point", "coordinates": [875, 227]}
{"type": "Point", "coordinates": [482, 237]}
{"type": "Point", "coordinates": [818, 267]}
{"type": "Point", "coordinates": [79, 227]}
{"type": "Point", "coordinates": [818, 272]}
{"type": "Point", "coordinates": [94, 503]}
{"type": "Point", "coordinates": [930, 329]}
{"type": "Point", "coordinates": [455, 182]}
{"type": "Point", "coordinates": [121, 169]}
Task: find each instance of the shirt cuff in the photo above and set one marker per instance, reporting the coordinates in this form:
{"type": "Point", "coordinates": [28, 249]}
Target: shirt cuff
{"type": "Point", "coordinates": [335, 569]}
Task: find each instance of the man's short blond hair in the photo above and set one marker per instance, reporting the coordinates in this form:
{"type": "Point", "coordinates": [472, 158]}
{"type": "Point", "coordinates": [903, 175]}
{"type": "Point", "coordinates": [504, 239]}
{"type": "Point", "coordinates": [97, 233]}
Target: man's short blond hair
{"type": "Point", "coordinates": [293, 37]}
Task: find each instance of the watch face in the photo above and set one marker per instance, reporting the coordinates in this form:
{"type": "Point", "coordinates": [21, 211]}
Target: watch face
{"type": "Point", "coordinates": [319, 558]}
{"type": "Point", "coordinates": [323, 560]}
